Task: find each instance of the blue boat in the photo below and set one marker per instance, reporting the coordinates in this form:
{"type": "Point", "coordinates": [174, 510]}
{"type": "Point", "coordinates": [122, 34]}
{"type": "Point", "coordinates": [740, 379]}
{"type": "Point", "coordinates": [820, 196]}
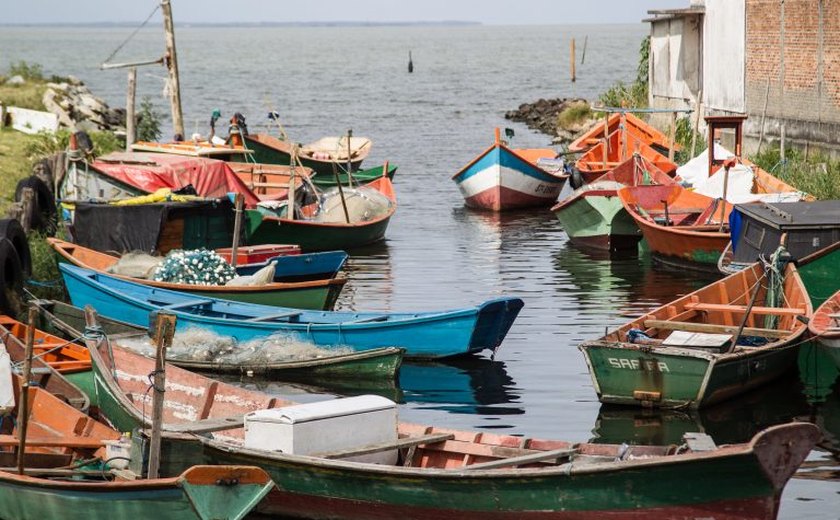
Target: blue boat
{"type": "Point", "coordinates": [300, 268]}
{"type": "Point", "coordinates": [423, 334]}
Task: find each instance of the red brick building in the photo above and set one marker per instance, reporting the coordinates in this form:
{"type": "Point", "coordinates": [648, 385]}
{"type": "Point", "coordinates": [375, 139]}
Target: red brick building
{"type": "Point", "coordinates": [776, 60]}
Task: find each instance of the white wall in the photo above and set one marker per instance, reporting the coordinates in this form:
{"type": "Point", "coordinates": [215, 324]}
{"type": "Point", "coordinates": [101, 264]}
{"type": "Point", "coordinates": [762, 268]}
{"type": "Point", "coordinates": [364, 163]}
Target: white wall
{"type": "Point", "coordinates": [724, 40]}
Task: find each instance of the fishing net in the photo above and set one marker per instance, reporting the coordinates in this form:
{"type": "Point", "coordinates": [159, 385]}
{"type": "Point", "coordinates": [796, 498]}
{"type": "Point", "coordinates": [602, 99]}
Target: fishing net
{"type": "Point", "coordinates": [262, 277]}
{"type": "Point", "coordinates": [363, 204]}
{"type": "Point", "coordinates": [136, 265]}
{"type": "Point", "coordinates": [196, 267]}
{"type": "Point", "coordinates": [200, 345]}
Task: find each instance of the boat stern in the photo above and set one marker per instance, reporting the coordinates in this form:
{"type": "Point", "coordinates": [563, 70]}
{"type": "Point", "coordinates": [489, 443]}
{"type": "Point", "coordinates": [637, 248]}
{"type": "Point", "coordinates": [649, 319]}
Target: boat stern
{"type": "Point", "coordinates": [781, 449]}
{"type": "Point", "coordinates": [225, 492]}
{"type": "Point", "coordinates": [493, 322]}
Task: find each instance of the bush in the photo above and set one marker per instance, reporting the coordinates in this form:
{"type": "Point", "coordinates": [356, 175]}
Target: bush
{"type": "Point", "coordinates": [574, 114]}
{"type": "Point", "coordinates": [26, 71]}
{"type": "Point", "coordinates": [148, 121]}
{"type": "Point", "coordinates": [45, 144]}
{"type": "Point", "coordinates": [45, 271]}
{"type": "Point", "coordinates": [818, 175]}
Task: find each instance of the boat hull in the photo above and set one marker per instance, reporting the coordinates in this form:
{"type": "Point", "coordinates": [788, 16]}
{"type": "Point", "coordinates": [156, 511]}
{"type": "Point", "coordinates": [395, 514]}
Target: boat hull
{"type": "Point", "coordinates": [327, 180]}
{"type": "Point", "coordinates": [263, 153]}
{"type": "Point", "coordinates": [598, 221]}
{"type": "Point", "coordinates": [500, 180]}
{"type": "Point", "coordinates": [422, 335]}
{"type": "Point", "coordinates": [300, 268]}
{"type": "Point", "coordinates": [314, 236]}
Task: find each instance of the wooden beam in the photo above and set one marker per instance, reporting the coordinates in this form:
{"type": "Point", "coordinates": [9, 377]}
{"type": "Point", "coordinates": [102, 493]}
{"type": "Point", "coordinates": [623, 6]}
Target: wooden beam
{"type": "Point", "coordinates": [53, 442]}
{"type": "Point", "coordinates": [714, 329]}
{"type": "Point", "coordinates": [720, 307]}
{"type": "Point", "coordinates": [208, 425]}
{"type": "Point", "coordinates": [518, 461]}
{"type": "Point", "coordinates": [405, 442]}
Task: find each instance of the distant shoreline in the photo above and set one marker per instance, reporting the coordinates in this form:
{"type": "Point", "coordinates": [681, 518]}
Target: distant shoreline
{"type": "Point", "coordinates": [250, 24]}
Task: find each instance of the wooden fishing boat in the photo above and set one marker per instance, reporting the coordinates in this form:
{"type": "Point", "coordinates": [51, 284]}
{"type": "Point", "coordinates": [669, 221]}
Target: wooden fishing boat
{"type": "Point", "coordinates": [640, 130]}
{"type": "Point", "coordinates": [502, 178]}
{"type": "Point", "coordinates": [199, 148]}
{"type": "Point", "coordinates": [708, 346]}
{"type": "Point", "coordinates": [325, 181]}
{"type": "Point", "coordinates": [681, 228]}
{"type": "Point", "coordinates": [504, 476]}
{"type": "Point", "coordinates": [617, 148]}
{"type": "Point", "coordinates": [317, 294]}
{"type": "Point", "coordinates": [825, 325]}
{"type": "Point", "coordinates": [593, 216]}
{"type": "Point", "coordinates": [270, 181]}
{"type": "Point", "coordinates": [53, 361]}
{"type": "Point", "coordinates": [301, 267]}
{"type": "Point", "coordinates": [321, 155]}
{"type": "Point", "coordinates": [421, 334]}
{"type": "Point", "coordinates": [313, 235]}
{"type": "Point", "coordinates": [382, 363]}
{"type": "Point", "coordinates": [62, 479]}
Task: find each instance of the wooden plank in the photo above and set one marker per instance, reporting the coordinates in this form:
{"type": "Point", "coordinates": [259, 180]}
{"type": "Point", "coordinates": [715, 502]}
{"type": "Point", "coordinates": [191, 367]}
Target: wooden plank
{"type": "Point", "coordinates": [405, 442]}
{"type": "Point", "coordinates": [208, 425]}
{"type": "Point", "coordinates": [518, 461]}
{"type": "Point", "coordinates": [721, 307]}
{"type": "Point", "coordinates": [712, 328]}
{"type": "Point", "coordinates": [269, 317]}
{"type": "Point", "coordinates": [53, 442]}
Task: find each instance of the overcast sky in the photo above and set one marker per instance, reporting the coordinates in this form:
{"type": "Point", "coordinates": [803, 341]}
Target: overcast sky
{"type": "Point", "coordinates": [216, 11]}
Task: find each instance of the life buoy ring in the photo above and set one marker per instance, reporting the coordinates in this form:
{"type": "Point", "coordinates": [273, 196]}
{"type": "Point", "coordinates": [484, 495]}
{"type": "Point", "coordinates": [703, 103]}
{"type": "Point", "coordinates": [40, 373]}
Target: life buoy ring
{"type": "Point", "coordinates": [11, 230]}
{"type": "Point", "coordinates": [42, 212]}
{"type": "Point", "coordinates": [11, 279]}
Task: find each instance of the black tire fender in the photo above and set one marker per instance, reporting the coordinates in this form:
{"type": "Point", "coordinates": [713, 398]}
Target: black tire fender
{"type": "Point", "coordinates": [11, 279]}
{"type": "Point", "coordinates": [42, 213]}
{"type": "Point", "coordinates": [11, 230]}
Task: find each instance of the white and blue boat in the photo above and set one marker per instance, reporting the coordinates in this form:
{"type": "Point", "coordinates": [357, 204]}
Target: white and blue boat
{"type": "Point", "coordinates": [503, 178]}
{"type": "Point", "coordinates": [422, 334]}
{"type": "Point", "coordinates": [304, 267]}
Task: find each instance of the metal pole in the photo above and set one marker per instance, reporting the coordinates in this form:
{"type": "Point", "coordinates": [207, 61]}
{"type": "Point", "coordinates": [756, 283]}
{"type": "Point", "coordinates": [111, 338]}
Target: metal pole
{"type": "Point", "coordinates": [164, 330]}
{"type": "Point", "coordinates": [172, 65]}
{"type": "Point", "coordinates": [23, 409]}
{"type": "Point", "coordinates": [130, 118]}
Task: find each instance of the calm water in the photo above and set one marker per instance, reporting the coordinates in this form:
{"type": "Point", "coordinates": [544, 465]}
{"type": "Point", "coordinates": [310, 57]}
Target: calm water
{"type": "Point", "coordinates": [438, 254]}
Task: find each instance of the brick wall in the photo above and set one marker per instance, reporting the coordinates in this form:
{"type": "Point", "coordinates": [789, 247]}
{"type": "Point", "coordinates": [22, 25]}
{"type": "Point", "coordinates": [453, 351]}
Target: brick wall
{"type": "Point", "coordinates": [795, 45]}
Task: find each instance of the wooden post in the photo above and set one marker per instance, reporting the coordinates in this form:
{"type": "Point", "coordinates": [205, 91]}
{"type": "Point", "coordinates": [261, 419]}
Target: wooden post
{"type": "Point", "coordinates": [782, 144]}
{"type": "Point", "coordinates": [290, 198]}
{"type": "Point", "coordinates": [238, 204]}
{"type": "Point", "coordinates": [572, 61]}
{"type": "Point", "coordinates": [172, 65]}
{"type": "Point", "coordinates": [164, 330]}
{"type": "Point", "coordinates": [672, 136]}
{"type": "Point", "coordinates": [23, 407]}
{"type": "Point", "coordinates": [130, 118]}
{"type": "Point", "coordinates": [583, 54]}
{"type": "Point", "coordinates": [27, 196]}
{"type": "Point", "coordinates": [763, 116]}
{"type": "Point", "coordinates": [723, 202]}
{"type": "Point", "coordinates": [698, 109]}
{"type": "Point", "coordinates": [349, 161]}
{"type": "Point", "coordinates": [606, 137]}
{"type": "Point", "coordinates": [341, 192]}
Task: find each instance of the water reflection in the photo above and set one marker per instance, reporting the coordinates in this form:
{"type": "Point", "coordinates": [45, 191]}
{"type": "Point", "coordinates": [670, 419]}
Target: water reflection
{"type": "Point", "coordinates": [371, 281]}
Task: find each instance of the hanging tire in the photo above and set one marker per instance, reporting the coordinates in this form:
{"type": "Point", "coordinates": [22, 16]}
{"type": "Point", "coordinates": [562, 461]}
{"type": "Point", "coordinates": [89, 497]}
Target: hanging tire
{"type": "Point", "coordinates": [11, 230]}
{"type": "Point", "coordinates": [11, 280]}
{"type": "Point", "coordinates": [576, 179]}
{"type": "Point", "coordinates": [42, 212]}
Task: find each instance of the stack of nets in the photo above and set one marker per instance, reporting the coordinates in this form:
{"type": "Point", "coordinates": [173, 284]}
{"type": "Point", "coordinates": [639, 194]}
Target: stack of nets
{"type": "Point", "coordinates": [197, 267]}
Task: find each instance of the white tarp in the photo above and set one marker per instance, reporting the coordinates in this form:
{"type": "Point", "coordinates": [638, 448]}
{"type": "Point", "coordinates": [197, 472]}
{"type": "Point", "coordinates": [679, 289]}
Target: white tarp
{"type": "Point", "coordinates": [32, 121]}
{"type": "Point", "coordinates": [7, 392]}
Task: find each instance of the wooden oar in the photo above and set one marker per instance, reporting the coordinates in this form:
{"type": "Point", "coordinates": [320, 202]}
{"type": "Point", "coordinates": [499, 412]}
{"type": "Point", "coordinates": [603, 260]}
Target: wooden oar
{"type": "Point", "coordinates": [23, 409]}
{"type": "Point", "coordinates": [341, 192]}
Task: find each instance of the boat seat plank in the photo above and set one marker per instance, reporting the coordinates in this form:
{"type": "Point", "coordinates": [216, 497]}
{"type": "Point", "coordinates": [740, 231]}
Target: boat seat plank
{"type": "Point", "coordinates": [518, 461]}
{"type": "Point", "coordinates": [680, 211]}
{"type": "Point", "coordinates": [779, 311]}
{"type": "Point", "coordinates": [186, 304]}
{"type": "Point", "coordinates": [405, 442]}
{"type": "Point", "coordinates": [53, 442]}
{"type": "Point", "coordinates": [215, 424]}
{"type": "Point", "coordinates": [714, 329]}
{"type": "Point", "coordinates": [270, 317]}
{"type": "Point", "coordinates": [278, 185]}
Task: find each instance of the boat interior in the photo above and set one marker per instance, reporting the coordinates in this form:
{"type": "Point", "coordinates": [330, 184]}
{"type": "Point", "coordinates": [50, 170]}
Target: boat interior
{"type": "Point", "coordinates": [673, 205]}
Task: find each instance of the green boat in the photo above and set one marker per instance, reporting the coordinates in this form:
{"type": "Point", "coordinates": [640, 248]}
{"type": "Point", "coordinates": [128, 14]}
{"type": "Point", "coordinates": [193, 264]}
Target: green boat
{"type": "Point", "coordinates": [444, 473]}
{"type": "Point", "coordinates": [322, 155]}
{"type": "Point", "coordinates": [312, 235]}
{"type": "Point", "coordinates": [708, 346]}
{"type": "Point", "coordinates": [315, 294]}
{"type": "Point", "coordinates": [325, 181]}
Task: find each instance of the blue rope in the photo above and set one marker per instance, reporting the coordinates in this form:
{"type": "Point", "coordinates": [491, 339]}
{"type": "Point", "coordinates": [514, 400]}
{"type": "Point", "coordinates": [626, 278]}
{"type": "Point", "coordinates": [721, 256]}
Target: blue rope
{"type": "Point", "coordinates": [47, 283]}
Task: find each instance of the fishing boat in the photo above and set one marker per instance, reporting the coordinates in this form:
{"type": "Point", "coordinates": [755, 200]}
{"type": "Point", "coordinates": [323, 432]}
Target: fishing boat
{"type": "Point", "coordinates": [326, 181]}
{"type": "Point", "coordinates": [593, 216]}
{"type": "Point", "coordinates": [300, 267]}
{"type": "Point", "coordinates": [270, 181]}
{"type": "Point", "coordinates": [614, 150]}
{"type": "Point", "coordinates": [633, 125]}
{"type": "Point", "coordinates": [825, 325]}
{"type": "Point", "coordinates": [421, 334]}
{"type": "Point", "coordinates": [317, 294]}
{"type": "Point", "coordinates": [430, 470]}
{"type": "Point", "coordinates": [382, 363]}
{"type": "Point", "coordinates": [53, 361]}
{"type": "Point", "coordinates": [68, 474]}
{"type": "Point", "coordinates": [682, 228]}
{"type": "Point", "coordinates": [502, 178]}
{"type": "Point", "coordinates": [196, 148]}
{"type": "Point", "coordinates": [713, 344]}
{"type": "Point", "coordinates": [324, 227]}
{"type": "Point", "coordinates": [322, 156]}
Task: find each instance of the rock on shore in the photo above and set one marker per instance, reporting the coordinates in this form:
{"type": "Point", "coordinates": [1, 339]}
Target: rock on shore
{"type": "Point", "coordinates": [544, 116]}
{"type": "Point", "coordinates": [78, 109]}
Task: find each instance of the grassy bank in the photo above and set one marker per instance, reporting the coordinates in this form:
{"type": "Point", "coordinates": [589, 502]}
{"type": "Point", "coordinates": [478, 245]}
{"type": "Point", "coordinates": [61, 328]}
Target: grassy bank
{"type": "Point", "coordinates": [818, 174]}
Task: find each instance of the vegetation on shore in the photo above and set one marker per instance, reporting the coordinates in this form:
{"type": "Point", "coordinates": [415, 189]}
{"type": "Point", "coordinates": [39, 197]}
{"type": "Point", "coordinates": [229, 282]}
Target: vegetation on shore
{"type": "Point", "coordinates": [817, 174]}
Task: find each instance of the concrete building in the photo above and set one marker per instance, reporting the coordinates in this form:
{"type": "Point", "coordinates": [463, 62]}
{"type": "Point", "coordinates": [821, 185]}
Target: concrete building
{"type": "Point", "coordinates": [775, 60]}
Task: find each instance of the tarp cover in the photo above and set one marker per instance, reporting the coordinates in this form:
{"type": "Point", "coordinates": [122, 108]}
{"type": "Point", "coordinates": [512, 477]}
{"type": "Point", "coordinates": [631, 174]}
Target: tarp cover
{"type": "Point", "coordinates": [151, 171]}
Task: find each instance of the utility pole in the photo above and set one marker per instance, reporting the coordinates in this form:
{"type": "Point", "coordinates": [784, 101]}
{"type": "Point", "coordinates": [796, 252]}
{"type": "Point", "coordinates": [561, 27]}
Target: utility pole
{"type": "Point", "coordinates": [172, 65]}
{"type": "Point", "coordinates": [130, 117]}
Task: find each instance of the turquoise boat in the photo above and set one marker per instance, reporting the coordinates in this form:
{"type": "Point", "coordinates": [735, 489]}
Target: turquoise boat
{"type": "Point", "coordinates": [422, 334]}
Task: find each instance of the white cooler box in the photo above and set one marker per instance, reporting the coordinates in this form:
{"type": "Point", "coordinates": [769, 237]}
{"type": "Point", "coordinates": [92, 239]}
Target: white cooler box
{"type": "Point", "coordinates": [325, 427]}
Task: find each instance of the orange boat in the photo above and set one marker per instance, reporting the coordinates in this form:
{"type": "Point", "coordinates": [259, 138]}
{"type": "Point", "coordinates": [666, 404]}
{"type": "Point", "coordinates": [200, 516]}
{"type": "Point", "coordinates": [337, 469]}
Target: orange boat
{"type": "Point", "coordinates": [632, 124]}
{"type": "Point", "coordinates": [681, 227]}
{"type": "Point", "coordinates": [825, 325]}
{"type": "Point", "coordinates": [621, 145]}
